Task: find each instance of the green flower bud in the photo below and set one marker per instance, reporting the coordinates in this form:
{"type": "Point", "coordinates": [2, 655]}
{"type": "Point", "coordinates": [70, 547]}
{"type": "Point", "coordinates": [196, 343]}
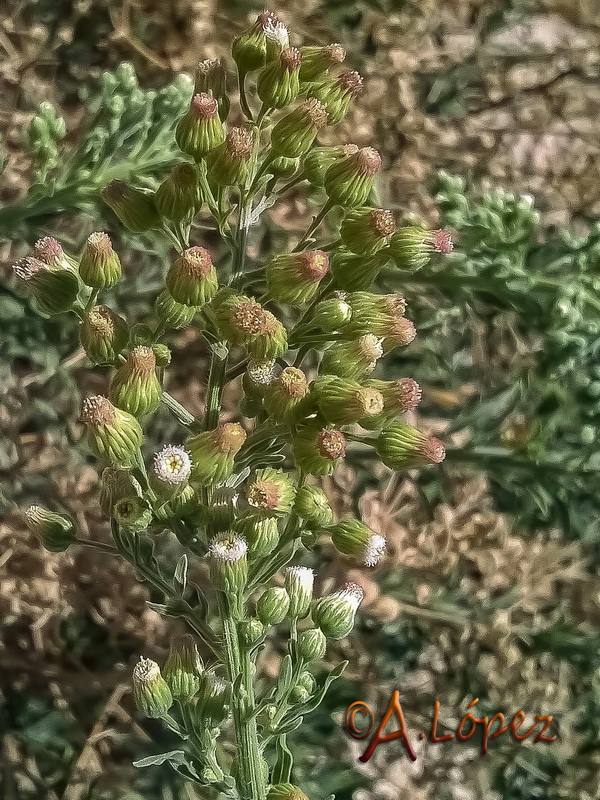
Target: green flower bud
{"type": "Point", "coordinates": [294, 134]}
{"type": "Point", "coordinates": [307, 681]}
{"type": "Point", "coordinates": [279, 83]}
{"type": "Point", "coordinates": [294, 277]}
{"type": "Point", "coordinates": [140, 333]}
{"type": "Point", "coordinates": [401, 446]}
{"type": "Point", "coordinates": [103, 335]}
{"type": "Point", "coordinates": [377, 314]}
{"type": "Point", "coordinates": [210, 78]}
{"type": "Point", "coordinates": [113, 434]}
{"type": "Point", "coordinates": [354, 539]}
{"type": "Point", "coordinates": [170, 470]}
{"type": "Point", "coordinates": [399, 396]}
{"type": "Point", "coordinates": [299, 583]}
{"type": "Point", "coordinates": [251, 632]}
{"type": "Point", "coordinates": [299, 695]}
{"type": "Point", "coordinates": [262, 535]}
{"type": "Point", "coordinates": [50, 251]}
{"type": "Point", "coordinates": [349, 181]}
{"type": "Point", "coordinates": [337, 94]}
{"type": "Point", "coordinates": [172, 314]}
{"type": "Point", "coordinates": [228, 563]}
{"type": "Point", "coordinates": [273, 605]}
{"type": "Point", "coordinates": [364, 232]}
{"type": "Point", "coordinates": [250, 49]}
{"type": "Point", "coordinates": [318, 160]}
{"type": "Point", "coordinates": [200, 130]}
{"type": "Point", "coordinates": [213, 699]}
{"type": "Point", "coordinates": [55, 290]}
{"type": "Point", "coordinates": [317, 450]}
{"type": "Point", "coordinates": [283, 395]}
{"type": "Point", "coordinates": [213, 453]}
{"type": "Point", "coordinates": [135, 208]}
{"type": "Point", "coordinates": [312, 645]}
{"type": "Point", "coordinates": [243, 321]}
{"type": "Point", "coordinates": [270, 492]}
{"type": "Point", "coordinates": [55, 531]}
{"type": "Point", "coordinates": [344, 402]}
{"type": "Point", "coordinates": [353, 359]}
{"type": "Point", "coordinates": [313, 506]}
{"type": "Point", "coordinates": [99, 266]}
{"type": "Point", "coordinates": [412, 247]}
{"type": "Point", "coordinates": [135, 386]}
{"type": "Point", "coordinates": [183, 505]}
{"type": "Point", "coordinates": [282, 168]}
{"type": "Point", "coordinates": [178, 198]}
{"type": "Point", "coordinates": [335, 613]}
{"type": "Point", "coordinates": [116, 484]}
{"type": "Point", "coordinates": [150, 690]}
{"type": "Point", "coordinates": [352, 272]}
{"type": "Point", "coordinates": [183, 668]}
{"type": "Point", "coordinates": [192, 278]}
{"type": "Point", "coordinates": [285, 791]}
{"type": "Point", "coordinates": [162, 354]}
{"type": "Point", "coordinates": [332, 314]}
{"type": "Point", "coordinates": [316, 61]}
{"type": "Point", "coordinates": [133, 513]}
{"type": "Point", "coordinates": [228, 164]}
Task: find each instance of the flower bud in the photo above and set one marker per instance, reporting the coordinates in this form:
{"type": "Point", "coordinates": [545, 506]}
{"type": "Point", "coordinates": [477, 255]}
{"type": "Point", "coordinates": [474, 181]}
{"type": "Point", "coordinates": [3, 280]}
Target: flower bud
{"type": "Point", "coordinates": [282, 168]}
{"type": "Point", "coordinates": [116, 484]}
{"type": "Point", "coordinates": [178, 198]}
{"type": "Point", "coordinates": [213, 699]}
{"type": "Point", "coordinates": [411, 247]}
{"type": "Point", "coordinates": [284, 394]}
{"type": "Point", "coordinates": [335, 613]}
{"type": "Point", "coordinates": [313, 506]}
{"type": "Point", "coordinates": [401, 446]}
{"type": "Point", "coordinates": [353, 273]}
{"type": "Point", "coordinates": [294, 277]}
{"type": "Point", "coordinates": [270, 492]}
{"type": "Point", "coordinates": [376, 314]}
{"type": "Point", "coordinates": [243, 321]}
{"type": "Point", "coordinates": [250, 49]}
{"type": "Point", "coordinates": [99, 266]}
{"type": "Point", "coordinates": [140, 333]}
{"type": "Point", "coordinates": [299, 695]}
{"type": "Point", "coordinates": [299, 585]}
{"type": "Point", "coordinates": [55, 531]}
{"type": "Point", "coordinates": [113, 434]}
{"type": "Point", "coordinates": [344, 402]}
{"type": "Point", "coordinates": [332, 314]}
{"type": "Point", "coordinates": [317, 450]}
{"type": "Point", "coordinates": [349, 181]}
{"type": "Point", "coordinates": [151, 693]}
{"type": "Point", "coordinates": [294, 134]}
{"type": "Point", "coordinates": [55, 290]}
{"type": "Point", "coordinates": [210, 78]}
{"type": "Point", "coordinates": [200, 130]}
{"type": "Point", "coordinates": [272, 606]}
{"type": "Point", "coordinates": [316, 61]}
{"type": "Point", "coordinates": [133, 513]}
{"type": "Point", "coordinates": [285, 791]}
{"type": "Point", "coordinates": [183, 668]}
{"type": "Point", "coordinates": [318, 160]}
{"type": "Point", "coordinates": [50, 251]}
{"type": "Point", "coordinates": [337, 94]}
{"type": "Point", "coordinates": [402, 332]}
{"type": "Point", "coordinates": [170, 470]}
{"type": "Point", "coordinates": [399, 396]}
{"type": "Point", "coordinates": [354, 539]}
{"type": "Point", "coordinates": [192, 278]}
{"type": "Point", "coordinates": [312, 645]}
{"type": "Point", "coordinates": [262, 535]}
{"type": "Point", "coordinates": [228, 563]}
{"type": "Point", "coordinates": [172, 314]}
{"type": "Point", "coordinates": [279, 83]}
{"type": "Point", "coordinates": [218, 516]}
{"type": "Point", "coordinates": [213, 453]}
{"type": "Point", "coordinates": [259, 375]}
{"type": "Point", "coordinates": [162, 355]}
{"type": "Point", "coordinates": [228, 163]}
{"type": "Point", "coordinates": [135, 386]}
{"type": "Point", "coordinates": [103, 335]}
{"type": "Point", "coordinates": [135, 208]}
{"type": "Point", "coordinates": [353, 359]}
{"type": "Point", "coordinates": [364, 232]}
{"type": "Point", "coordinates": [251, 632]}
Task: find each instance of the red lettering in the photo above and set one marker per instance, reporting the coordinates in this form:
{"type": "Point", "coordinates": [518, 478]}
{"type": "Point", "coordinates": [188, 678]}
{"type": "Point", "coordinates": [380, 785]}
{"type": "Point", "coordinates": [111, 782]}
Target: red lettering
{"type": "Point", "coordinates": [434, 738]}
{"type": "Point", "coordinates": [379, 737]}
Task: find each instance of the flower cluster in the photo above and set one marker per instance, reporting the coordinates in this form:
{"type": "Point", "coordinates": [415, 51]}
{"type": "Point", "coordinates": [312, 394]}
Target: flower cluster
{"type": "Point", "coordinates": [304, 334]}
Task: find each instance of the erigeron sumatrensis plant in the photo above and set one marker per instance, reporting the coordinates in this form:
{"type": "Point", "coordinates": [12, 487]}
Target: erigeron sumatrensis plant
{"type": "Point", "coordinates": [305, 335]}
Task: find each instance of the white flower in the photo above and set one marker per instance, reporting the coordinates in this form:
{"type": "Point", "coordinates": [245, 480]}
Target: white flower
{"type": "Point", "coordinates": [172, 464]}
{"type": "Point", "coordinates": [277, 32]}
{"type": "Point", "coordinates": [228, 547]}
{"type": "Point", "coordinates": [374, 550]}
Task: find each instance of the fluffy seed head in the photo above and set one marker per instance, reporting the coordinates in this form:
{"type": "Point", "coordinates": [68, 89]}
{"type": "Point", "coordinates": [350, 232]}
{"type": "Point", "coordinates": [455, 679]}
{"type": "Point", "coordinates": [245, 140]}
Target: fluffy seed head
{"type": "Point", "coordinates": [274, 29]}
{"type": "Point", "coordinates": [204, 106]}
{"type": "Point", "coordinates": [97, 411]}
{"type": "Point", "coordinates": [331, 444]}
{"type": "Point", "coordinates": [49, 250]}
{"type": "Point", "coordinates": [374, 550]}
{"type": "Point", "coordinates": [304, 576]}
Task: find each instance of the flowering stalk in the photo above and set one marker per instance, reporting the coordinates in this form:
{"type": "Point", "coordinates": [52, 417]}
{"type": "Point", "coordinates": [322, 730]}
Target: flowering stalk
{"type": "Point", "coordinates": [220, 490]}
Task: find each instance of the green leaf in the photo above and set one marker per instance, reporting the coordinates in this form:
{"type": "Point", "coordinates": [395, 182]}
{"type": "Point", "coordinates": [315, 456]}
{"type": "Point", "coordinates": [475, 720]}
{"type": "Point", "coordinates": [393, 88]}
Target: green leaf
{"type": "Point", "coordinates": [174, 757]}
